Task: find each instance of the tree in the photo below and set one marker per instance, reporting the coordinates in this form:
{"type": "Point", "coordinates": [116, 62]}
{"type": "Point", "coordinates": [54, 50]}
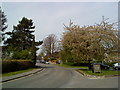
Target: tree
{"type": "Point", "coordinates": [3, 25]}
{"type": "Point", "coordinates": [34, 49]}
{"type": "Point", "coordinates": [22, 40]}
{"type": "Point", "coordinates": [22, 33]}
{"type": "Point", "coordinates": [49, 45]}
{"type": "Point", "coordinates": [88, 42]}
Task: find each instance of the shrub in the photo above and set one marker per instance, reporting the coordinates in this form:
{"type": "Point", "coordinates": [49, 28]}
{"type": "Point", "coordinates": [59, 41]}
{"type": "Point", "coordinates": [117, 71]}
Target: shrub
{"type": "Point", "coordinates": [24, 54]}
{"type": "Point", "coordinates": [77, 64]}
{"type": "Point", "coordinates": [16, 65]}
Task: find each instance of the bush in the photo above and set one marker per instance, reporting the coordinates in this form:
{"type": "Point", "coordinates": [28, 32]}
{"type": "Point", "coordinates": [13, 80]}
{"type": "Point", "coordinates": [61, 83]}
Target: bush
{"type": "Point", "coordinates": [24, 54]}
{"type": "Point", "coordinates": [77, 64]}
{"type": "Point", "coordinates": [16, 65]}
{"type": "Point", "coordinates": [80, 64]}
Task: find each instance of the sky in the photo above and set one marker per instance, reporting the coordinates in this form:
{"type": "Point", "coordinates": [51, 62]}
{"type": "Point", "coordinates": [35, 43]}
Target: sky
{"type": "Point", "coordinates": [49, 17]}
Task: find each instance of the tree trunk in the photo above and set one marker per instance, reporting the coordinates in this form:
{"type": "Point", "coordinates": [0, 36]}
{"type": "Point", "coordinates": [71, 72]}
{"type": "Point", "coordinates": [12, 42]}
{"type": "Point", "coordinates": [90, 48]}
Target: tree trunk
{"type": "Point", "coordinates": [34, 52]}
{"type": "Point", "coordinates": [89, 64]}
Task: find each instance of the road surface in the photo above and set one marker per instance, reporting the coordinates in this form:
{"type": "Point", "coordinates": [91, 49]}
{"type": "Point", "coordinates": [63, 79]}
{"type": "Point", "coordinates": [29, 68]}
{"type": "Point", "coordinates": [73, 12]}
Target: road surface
{"type": "Point", "coordinates": [58, 77]}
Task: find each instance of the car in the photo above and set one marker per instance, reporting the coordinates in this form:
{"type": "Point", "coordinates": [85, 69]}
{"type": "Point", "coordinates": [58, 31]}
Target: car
{"type": "Point", "coordinates": [116, 66]}
{"type": "Point", "coordinates": [42, 61]}
{"type": "Point", "coordinates": [38, 61]}
{"type": "Point", "coordinates": [103, 66]}
{"type": "Point", "coordinates": [46, 62]}
{"type": "Point", "coordinates": [59, 62]}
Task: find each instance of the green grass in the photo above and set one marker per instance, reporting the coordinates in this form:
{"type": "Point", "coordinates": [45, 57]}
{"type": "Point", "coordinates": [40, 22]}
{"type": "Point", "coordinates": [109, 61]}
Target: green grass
{"type": "Point", "coordinates": [103, 72]}
{"type": "Point", "coordinates": [69, 66]}
{"type": "Point", "coordinates": [17, 72]}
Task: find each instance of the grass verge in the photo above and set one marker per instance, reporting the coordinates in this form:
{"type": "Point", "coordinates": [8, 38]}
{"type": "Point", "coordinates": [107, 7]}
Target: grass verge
{"type": "Point", "coordinates": [103, 72]}
{"type": "Point", "coordinates": [16, 72]}
{"type": "Point", "coordinates": [69, 66]}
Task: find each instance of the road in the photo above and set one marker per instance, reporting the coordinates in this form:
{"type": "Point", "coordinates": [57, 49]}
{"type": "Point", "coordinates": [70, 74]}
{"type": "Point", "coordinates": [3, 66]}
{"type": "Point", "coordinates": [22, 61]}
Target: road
{"type": "Point", "coordinates": [58, 77]}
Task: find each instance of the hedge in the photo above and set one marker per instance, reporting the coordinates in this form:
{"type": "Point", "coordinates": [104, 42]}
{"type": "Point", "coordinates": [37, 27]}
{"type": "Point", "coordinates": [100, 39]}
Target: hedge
{"type": "Point", "coordinates": [77, 64]}
{"type": "Point", "coordinates": [16, 65]}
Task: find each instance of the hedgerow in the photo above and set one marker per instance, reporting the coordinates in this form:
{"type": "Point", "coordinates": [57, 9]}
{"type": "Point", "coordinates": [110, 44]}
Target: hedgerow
{"type": "Point", "coordinates": [16, 65]}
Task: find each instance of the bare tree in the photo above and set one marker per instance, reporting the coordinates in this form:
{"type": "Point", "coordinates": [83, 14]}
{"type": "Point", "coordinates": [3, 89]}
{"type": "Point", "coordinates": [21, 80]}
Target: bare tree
{"type": "Point", "coordinates": [49, 45]}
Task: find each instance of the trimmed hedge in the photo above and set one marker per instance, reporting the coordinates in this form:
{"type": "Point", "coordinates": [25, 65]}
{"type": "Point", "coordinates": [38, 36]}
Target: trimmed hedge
{"type": "Point", "coordinates": [16, 65]}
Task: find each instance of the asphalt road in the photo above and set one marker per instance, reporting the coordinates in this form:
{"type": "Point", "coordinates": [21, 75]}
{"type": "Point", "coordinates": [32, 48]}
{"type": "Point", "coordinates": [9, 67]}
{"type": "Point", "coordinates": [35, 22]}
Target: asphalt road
{"type": "Point", "coordinates": [58, 77]}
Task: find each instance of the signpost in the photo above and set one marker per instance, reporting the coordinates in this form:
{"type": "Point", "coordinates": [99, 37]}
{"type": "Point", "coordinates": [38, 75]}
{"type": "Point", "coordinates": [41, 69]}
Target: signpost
{"type": "Point", "coordinates": [96, 68]}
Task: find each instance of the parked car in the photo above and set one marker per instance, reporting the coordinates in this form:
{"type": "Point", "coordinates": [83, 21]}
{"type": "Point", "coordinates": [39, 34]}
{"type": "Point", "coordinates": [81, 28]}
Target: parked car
{"type": "Point", "coordinates": [59, 62]}
{"type": "Point", "coordinates": [38, 61]}
{"type": "Point", "coordinates": [46, 62]}
{"type": "Point", "coordinates": [116, 66]}
{"type": "Point", "coordinates": [42, 61]}
{"type": "Point", "coordinates": [103, 66]}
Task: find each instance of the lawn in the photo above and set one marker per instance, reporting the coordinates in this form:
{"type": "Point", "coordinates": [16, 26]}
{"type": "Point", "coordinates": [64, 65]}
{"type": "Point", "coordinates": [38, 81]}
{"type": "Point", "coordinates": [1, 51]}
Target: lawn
{"type": "Point", "coordinates": [69, 66]}
{"type": "Point", "coordinates": [17, 72]}
{"type": "Point", "coordinates": [85, 70]}
{"type": "Point", "coordinates": [103, 72]}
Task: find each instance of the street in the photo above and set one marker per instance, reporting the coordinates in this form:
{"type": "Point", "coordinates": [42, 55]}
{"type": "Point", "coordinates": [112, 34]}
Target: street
{"type": "Point", "coordinates": [58, 77]}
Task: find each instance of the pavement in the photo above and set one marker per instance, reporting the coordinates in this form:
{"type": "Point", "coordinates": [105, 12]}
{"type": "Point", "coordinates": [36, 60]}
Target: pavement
{"type": "Point", "coordinates": [24, 74]}
{"type": "Point", "coordinates": [59, 77]}
{"type": "Point", "coordinates": [93, 76]}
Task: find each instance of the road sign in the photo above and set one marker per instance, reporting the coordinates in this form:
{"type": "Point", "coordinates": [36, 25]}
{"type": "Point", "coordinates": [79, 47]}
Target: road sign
{"type": "Point", "coordinates": [96, 68]}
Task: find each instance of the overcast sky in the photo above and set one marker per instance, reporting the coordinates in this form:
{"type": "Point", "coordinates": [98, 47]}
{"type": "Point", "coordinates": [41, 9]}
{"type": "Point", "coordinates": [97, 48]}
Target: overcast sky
{"type": "Point", "coordinates": [48, 17]}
